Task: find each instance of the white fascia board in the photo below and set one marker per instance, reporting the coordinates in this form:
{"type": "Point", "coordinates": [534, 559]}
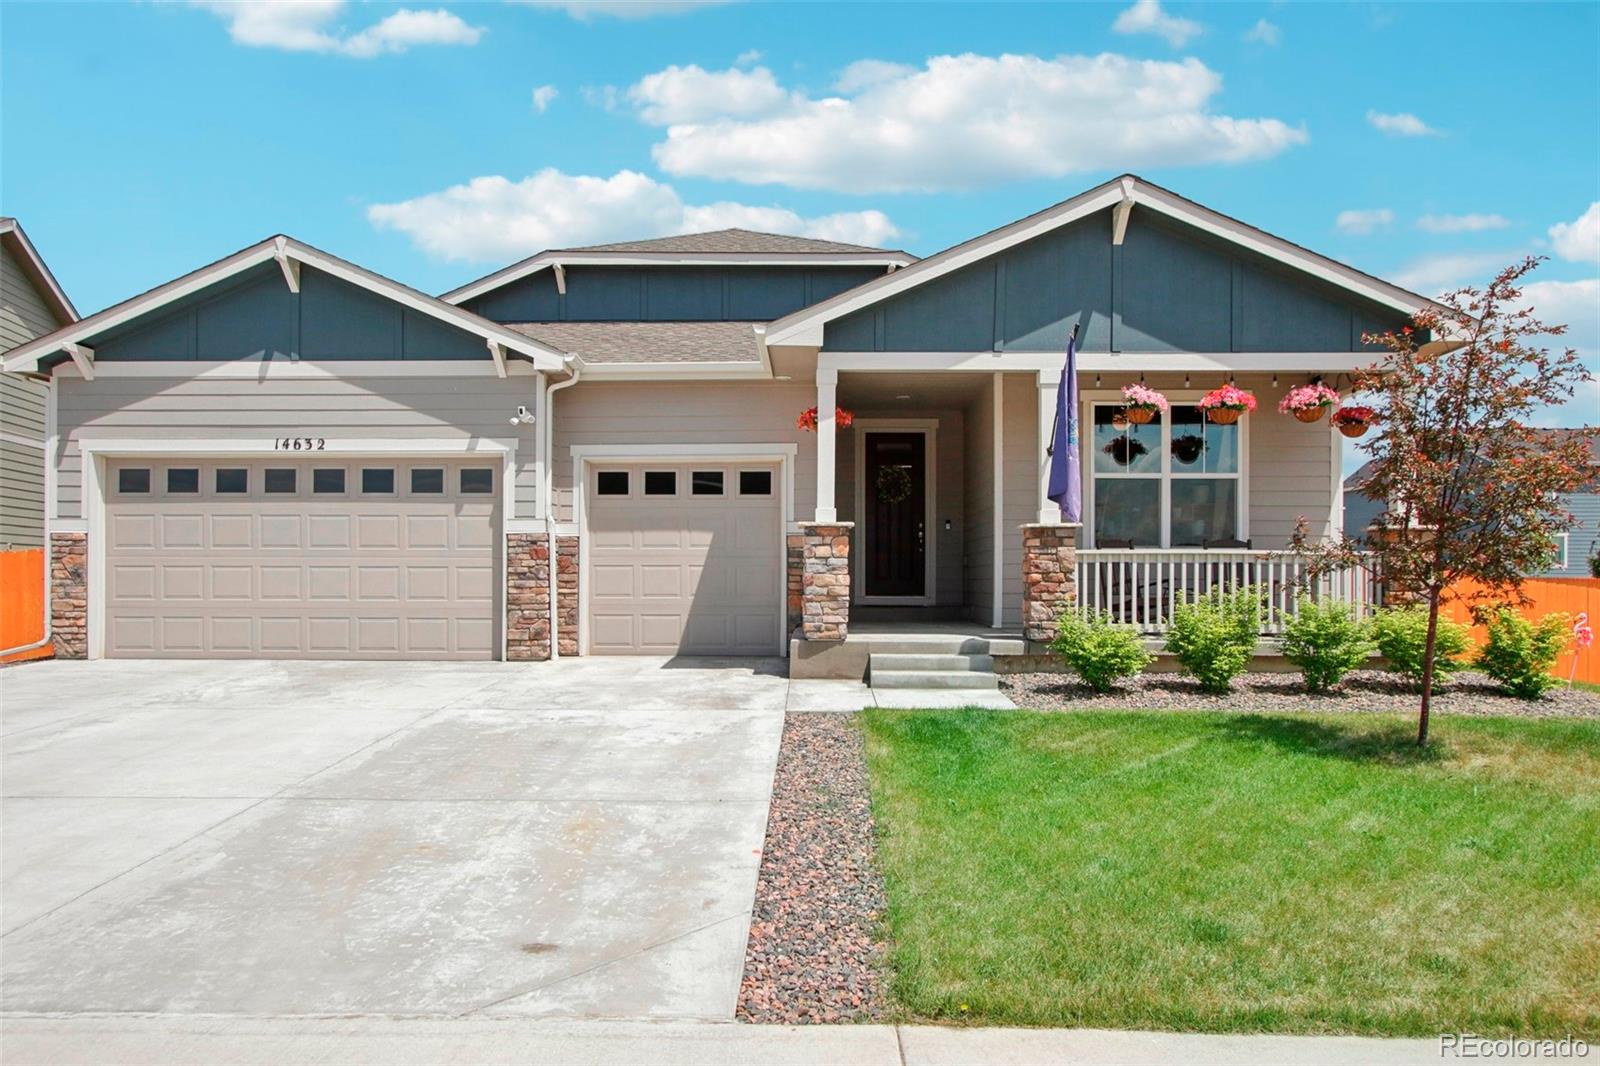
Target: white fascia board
{"type": "Point", "coordinates": [539, 262]}
{"type": "Point", "coordinates": [350, 446]}
{"type": "Point", "coordinates": [1130, 362]}
{"type": "Point", "coordinates": [283, 369]}
{"type": "Point", "coordinates": [64, 307]}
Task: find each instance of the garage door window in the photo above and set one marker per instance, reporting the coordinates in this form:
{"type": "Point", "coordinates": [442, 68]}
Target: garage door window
{"type": "Point", "coordinates": [183, 480]}
{"type": "Point", "coordinates": [279, 479]}
{"type": "Point", "coordinates": [706, 483]}
{"type": "Point", "coordinates": [755, 483]}
{"type": "Point", "coordinates": [133, 479]}
{"type": "Point", "coordinates": [611, 483]}
{"type": "Point", "coordinates": [377, 480]}
{"type": "Point", "coordinates": [327, 479]}
{"type": "Point", "coordinates": [660, 483]}
{"type": "Point", "coordinates": [427, 480]}
{"type": "Point", "coordinates": [477, 480]}
{"type": "Point", "coordinates": [232, 479]}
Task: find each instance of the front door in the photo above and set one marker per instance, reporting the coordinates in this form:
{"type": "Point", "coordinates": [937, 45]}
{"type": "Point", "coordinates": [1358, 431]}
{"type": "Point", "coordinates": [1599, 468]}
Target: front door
{"type": "Point", "coordinates": [896, 536]}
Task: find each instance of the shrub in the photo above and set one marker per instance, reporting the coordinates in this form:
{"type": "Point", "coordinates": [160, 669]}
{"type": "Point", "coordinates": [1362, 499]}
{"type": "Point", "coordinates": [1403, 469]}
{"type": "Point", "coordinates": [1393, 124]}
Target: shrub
{"type": "Point", "coordinates": [1326, 641]}
{"type": "Point", "coordinates": [1214, 637]}
{"type": "Point", "coordinates": [1099, 651]}
{"type": "Point", "coordinates": [1520, 653]}
{"type": "Point", "coordinates": [1401, 634]}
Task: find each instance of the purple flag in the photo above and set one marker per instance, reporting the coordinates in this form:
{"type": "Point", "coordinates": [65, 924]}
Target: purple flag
{"type": "Point", "coordinates": [1066, 482]}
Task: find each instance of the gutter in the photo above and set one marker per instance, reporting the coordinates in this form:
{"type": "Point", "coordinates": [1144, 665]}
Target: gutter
{"type": "Point", "coordinates": [548, 489]}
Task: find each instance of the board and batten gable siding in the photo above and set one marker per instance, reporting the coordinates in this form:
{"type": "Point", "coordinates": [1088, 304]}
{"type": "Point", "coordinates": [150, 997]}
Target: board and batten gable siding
{"type": "Point", "coordinates": [1167, 288]}
{"type": "Point", "coordinates": [255, 410]}
{"type": "Point", "coordinates": [24, 315]}
{"type": "Point", "coordinates": [254, 315]}
{"type": "Point", "coordinates": [655, 416]}
{"type": "Point", "coordinates": [667, 293]}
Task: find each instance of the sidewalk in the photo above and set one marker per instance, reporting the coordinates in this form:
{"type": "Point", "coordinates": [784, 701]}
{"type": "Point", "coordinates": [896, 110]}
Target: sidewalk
{"type": "Point", "coordinates": [210, 1040]}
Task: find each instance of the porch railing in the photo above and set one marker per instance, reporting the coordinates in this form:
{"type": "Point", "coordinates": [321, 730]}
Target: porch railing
{"type": "Point", "coordinates": [1141, 587]}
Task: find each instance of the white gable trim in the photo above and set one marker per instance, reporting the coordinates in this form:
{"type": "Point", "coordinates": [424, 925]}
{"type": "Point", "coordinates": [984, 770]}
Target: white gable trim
{"type": "Point", "coordinates": [54, 293]}
{"type": "Point", "coordinates": [284, 250]}
{"type": "Point", "coordinates": [804, 327]}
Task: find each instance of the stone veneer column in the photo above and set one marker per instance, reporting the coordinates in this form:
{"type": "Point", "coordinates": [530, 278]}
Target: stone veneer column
{"type": "Point", "coordinates": [567, 595]}
{"type": "Point", "coordinates": [69, 594]}
{"type": "Point", "coordinates": [795, 570]}
{"type": "Point", "coordinates": [825, 580]}
{"type": "Point", "coordinates": [527, 597]}
{"type": "Point", "coordinates": [1049, 577]}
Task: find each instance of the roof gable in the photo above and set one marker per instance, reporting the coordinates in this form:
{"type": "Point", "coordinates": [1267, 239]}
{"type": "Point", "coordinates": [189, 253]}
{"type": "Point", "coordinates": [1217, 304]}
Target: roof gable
{"type": "Point", "coordinates": [734, 241]}
{"type": "Point", "coordinates": [16, 241]}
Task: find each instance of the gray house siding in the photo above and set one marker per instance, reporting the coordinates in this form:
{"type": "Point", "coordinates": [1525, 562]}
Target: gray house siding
{"type": "Point", "coordinates": [23, 316]}
{"type": "Point", "coordinates": [1167, 288]}
{"type": "Point", "coordinates": [234, 409]}
{"type": "Point", "coordinates": [1582, 538]}
{"type": "Point", "coordinates": [667, 293]}
{"type": "Point", "coordinates": [255, 315]}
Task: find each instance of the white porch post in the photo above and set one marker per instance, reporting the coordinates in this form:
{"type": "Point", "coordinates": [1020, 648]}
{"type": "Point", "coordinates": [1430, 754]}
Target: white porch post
{"type": "Point", "coordinates": [827, 402]}
{"type": "Point", "coordinates": [1049, 383]}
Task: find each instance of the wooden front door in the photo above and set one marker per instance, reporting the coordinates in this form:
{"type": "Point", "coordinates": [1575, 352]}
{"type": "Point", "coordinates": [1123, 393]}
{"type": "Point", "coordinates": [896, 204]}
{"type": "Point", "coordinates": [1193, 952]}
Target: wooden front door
{"type": "Point", "coordinates": [895, 537]}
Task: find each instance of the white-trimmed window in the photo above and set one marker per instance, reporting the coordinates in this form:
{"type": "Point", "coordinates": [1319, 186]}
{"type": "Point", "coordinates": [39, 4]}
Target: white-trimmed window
{"type": "Point", "coordinates": [1176, 481]}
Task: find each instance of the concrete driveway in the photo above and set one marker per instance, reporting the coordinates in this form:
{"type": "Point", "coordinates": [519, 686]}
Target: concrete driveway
{"type": "Point", "coordinates": [576, 839]}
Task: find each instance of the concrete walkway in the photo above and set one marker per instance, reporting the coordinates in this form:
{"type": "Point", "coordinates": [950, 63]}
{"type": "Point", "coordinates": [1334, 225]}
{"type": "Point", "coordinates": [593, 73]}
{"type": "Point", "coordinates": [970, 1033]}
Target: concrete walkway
{"type": "Point", "coordinates": [203, 1041]}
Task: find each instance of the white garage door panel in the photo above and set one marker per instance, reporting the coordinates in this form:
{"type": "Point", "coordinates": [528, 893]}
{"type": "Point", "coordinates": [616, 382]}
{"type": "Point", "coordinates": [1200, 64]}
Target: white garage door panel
{"type": "Point", "coordinates": [681, 573]}
{"type": "Point", "coordinates": [301, 574]}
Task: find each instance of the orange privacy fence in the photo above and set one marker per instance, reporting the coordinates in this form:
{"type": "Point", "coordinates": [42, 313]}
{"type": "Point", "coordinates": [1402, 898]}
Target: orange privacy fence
{"type": "Point", "coordinates": [22, 602]}
{"type": "Point", "coordinates": [1550, 595]}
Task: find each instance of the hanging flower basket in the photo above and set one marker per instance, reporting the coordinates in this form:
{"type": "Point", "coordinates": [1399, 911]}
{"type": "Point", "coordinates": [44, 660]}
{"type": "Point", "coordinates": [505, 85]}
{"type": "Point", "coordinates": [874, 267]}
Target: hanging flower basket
{"type": "Point", "coordinates": [808, 419]}
{"type": "Point", "coordinates": [1224, 405]}
{"type": "Point", "coordinates": [1308, 403]}
{"type": "Point", "coordinates": [1354, 420]}
{"type": "Point", "coordinates": [1143, 403]}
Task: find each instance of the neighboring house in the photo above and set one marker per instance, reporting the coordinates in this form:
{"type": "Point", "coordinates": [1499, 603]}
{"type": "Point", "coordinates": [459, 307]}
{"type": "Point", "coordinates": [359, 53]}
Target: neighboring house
{"type": "Point", "coordinates": [284, 455]}
{"type": "Point", "coordinates": [1573, 548]}
{"type": "Point", "coordinates": [31, 305]}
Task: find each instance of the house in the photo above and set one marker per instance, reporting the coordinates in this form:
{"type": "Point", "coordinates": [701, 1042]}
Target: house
{"type": "Point", "coordinates": [32, 304]}
{"type": "Point", "coordinates": [284, 455]}
{"type": "Point", "coordinates": [1574, 548]}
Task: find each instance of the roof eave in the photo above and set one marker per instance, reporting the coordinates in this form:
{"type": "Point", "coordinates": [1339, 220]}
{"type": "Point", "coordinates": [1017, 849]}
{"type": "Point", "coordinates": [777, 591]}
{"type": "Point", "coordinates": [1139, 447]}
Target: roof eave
{"type": "Point", "coordinates": [39, 273]}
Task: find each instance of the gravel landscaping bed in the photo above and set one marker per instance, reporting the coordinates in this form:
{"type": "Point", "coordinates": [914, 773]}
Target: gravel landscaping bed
{"type": "Point", "coordinates": [1363, 691]}
{"type": "Point", "coordinates": [814, 953]}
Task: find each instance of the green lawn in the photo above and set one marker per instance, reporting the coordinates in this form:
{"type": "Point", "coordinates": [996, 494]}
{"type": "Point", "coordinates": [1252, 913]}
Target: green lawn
{"type": "Point", "coordinates": [1233, 872]}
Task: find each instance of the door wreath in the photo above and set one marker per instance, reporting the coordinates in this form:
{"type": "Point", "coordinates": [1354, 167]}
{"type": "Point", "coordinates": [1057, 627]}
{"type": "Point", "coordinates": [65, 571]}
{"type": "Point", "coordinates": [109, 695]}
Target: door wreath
{"type": "Point", "coordinates": [894, 484]}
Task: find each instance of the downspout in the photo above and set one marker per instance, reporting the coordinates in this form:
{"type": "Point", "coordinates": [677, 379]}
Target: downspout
{"type": "Point", "coordinates": [548, 489]}
{"type": "Point", "coordinates": [49, 503]}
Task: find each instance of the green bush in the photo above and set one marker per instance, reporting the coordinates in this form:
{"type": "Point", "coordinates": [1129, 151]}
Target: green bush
{"type": "Point", "coordinates": [1099, 651]}
{"type": "Point", "coordinates": [1401, 634]}
{"type": "Point", "coordinates": [1214, 637]}
{"type": "Point", "coordinates": [1520, 653]}
{"type": "Point", "coordinates": [1326, 641]}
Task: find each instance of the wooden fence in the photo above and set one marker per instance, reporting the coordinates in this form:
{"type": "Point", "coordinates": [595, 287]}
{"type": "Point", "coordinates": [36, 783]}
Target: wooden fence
{"type": "Point", "coordinates": [1550, 595]}
{"type": "Point", "coordinates": [22, 603]}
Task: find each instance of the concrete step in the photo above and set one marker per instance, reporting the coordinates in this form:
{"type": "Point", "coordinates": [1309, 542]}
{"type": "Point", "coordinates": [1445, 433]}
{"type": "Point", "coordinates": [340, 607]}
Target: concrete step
{"type": "Point", "coordinates": [934, 679]}
{"type": "Point", "coordinates": [937, 644]}
{"type": "Point", "coordinates": [931, 661]}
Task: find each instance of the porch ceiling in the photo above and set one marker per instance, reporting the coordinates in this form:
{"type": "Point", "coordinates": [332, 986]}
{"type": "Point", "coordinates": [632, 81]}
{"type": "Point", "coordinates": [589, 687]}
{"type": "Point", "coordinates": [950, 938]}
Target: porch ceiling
{"type": "Point", "coordinates": [924, 390]}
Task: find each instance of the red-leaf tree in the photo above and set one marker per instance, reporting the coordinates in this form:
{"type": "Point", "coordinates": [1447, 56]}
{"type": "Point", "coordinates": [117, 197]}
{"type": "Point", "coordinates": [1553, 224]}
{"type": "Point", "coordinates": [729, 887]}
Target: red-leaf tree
{"type": "Point", "coordinates": [1470, 488]}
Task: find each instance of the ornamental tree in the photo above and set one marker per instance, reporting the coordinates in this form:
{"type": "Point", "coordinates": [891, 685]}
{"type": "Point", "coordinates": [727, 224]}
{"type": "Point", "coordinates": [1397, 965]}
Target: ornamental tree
{"type": "Point", "coordinates": [1470, 488]}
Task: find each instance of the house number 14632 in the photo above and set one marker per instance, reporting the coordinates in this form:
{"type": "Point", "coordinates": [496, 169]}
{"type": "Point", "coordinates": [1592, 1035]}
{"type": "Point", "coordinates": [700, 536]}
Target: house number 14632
{"type": "Point", "coordinates": [299, 444]}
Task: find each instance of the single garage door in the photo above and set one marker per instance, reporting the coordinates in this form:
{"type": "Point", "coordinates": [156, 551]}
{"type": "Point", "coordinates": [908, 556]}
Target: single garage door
{"type": "Point", "coordinates": [684, 559]}
{"type": "Point", "coordinates": [301, 559]}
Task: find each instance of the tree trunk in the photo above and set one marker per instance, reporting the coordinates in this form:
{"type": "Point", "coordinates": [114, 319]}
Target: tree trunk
{"type": "Point", "coordinates": [1428, 655]}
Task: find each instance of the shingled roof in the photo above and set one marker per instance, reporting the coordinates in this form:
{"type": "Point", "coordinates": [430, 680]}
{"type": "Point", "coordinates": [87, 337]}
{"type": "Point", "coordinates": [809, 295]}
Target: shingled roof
{"type": "Point", "coordinates": [649, 342]}
{"type": "Point", "coordinates": [729, 241]}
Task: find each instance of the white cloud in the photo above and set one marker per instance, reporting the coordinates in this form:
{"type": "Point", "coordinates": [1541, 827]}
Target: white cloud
{"type": "Point", "coordinates": [691, 94]}
{"type": "Point", "coordinates": [543, 97]}
{"type": "Point", "coordinates": [310, 26]}
{"type": "Point", "coordinates": [962, 121]}
{"type": "Point", "coordinates": [1472, 223]}
{"type": "Point", "coordinates": [1363, 222]}
{"type": "Point", "coordinates": [1431, 275]}
{"type": "Point", "coordinates": [1402, 124]}
{"type": "Point", "coordinates": [1580, 240]}
{"type": "Point", "coordinates": [1576, 305]}
{"type": "Point", "coordinates": [584, 10]}
{"type": "Point", "coordinates": [1264, 32]}
{"type": "Point", "coordinates": [1146, 16]}
{"type": "Point", "coordinates": [748, 58]}
{"type": "Point", "coordinates": [493, 218]}
{"type": "Point", "coordinates": [865, 73]}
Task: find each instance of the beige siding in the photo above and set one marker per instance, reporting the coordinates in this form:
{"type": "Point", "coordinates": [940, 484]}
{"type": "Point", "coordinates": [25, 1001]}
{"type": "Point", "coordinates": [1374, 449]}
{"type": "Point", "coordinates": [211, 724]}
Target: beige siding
{"type": "Point", "coordinates": [1021, 496]}
{"type": "Point", "coordinates": [949, 453]}
{"type": "Point", "coordinates": [658, 415]}
{"type": "Point", "coordinates": [223, 410]}
{"type": "Point", "coordinates": [1292, 468]}
{"type": "Point", "coordinates": [23, 316]}
{"type": "Point", "coordinates": [979, 495]}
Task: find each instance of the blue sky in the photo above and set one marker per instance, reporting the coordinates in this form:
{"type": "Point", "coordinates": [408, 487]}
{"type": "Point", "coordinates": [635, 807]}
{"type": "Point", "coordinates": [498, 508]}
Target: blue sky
{"type": "Point", "coordinates": [1426, 143]}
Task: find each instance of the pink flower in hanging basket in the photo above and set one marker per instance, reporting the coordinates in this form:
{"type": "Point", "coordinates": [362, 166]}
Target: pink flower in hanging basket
{"type": "Point", "coordinates": [1229, 397]}
{"type": "Point", "coordinates": [1307, 398]}
{"type": "Point", "coordinates": [1355, 415]}
{"type": "Point", "coordinates": [1140, 395]}
{"type": "Point", "coordinates": [808, 419]}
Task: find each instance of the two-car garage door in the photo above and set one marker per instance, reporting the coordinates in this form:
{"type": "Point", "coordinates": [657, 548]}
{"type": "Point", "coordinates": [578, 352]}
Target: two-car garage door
{"type": "Point", "coordinates": [301, 559]}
